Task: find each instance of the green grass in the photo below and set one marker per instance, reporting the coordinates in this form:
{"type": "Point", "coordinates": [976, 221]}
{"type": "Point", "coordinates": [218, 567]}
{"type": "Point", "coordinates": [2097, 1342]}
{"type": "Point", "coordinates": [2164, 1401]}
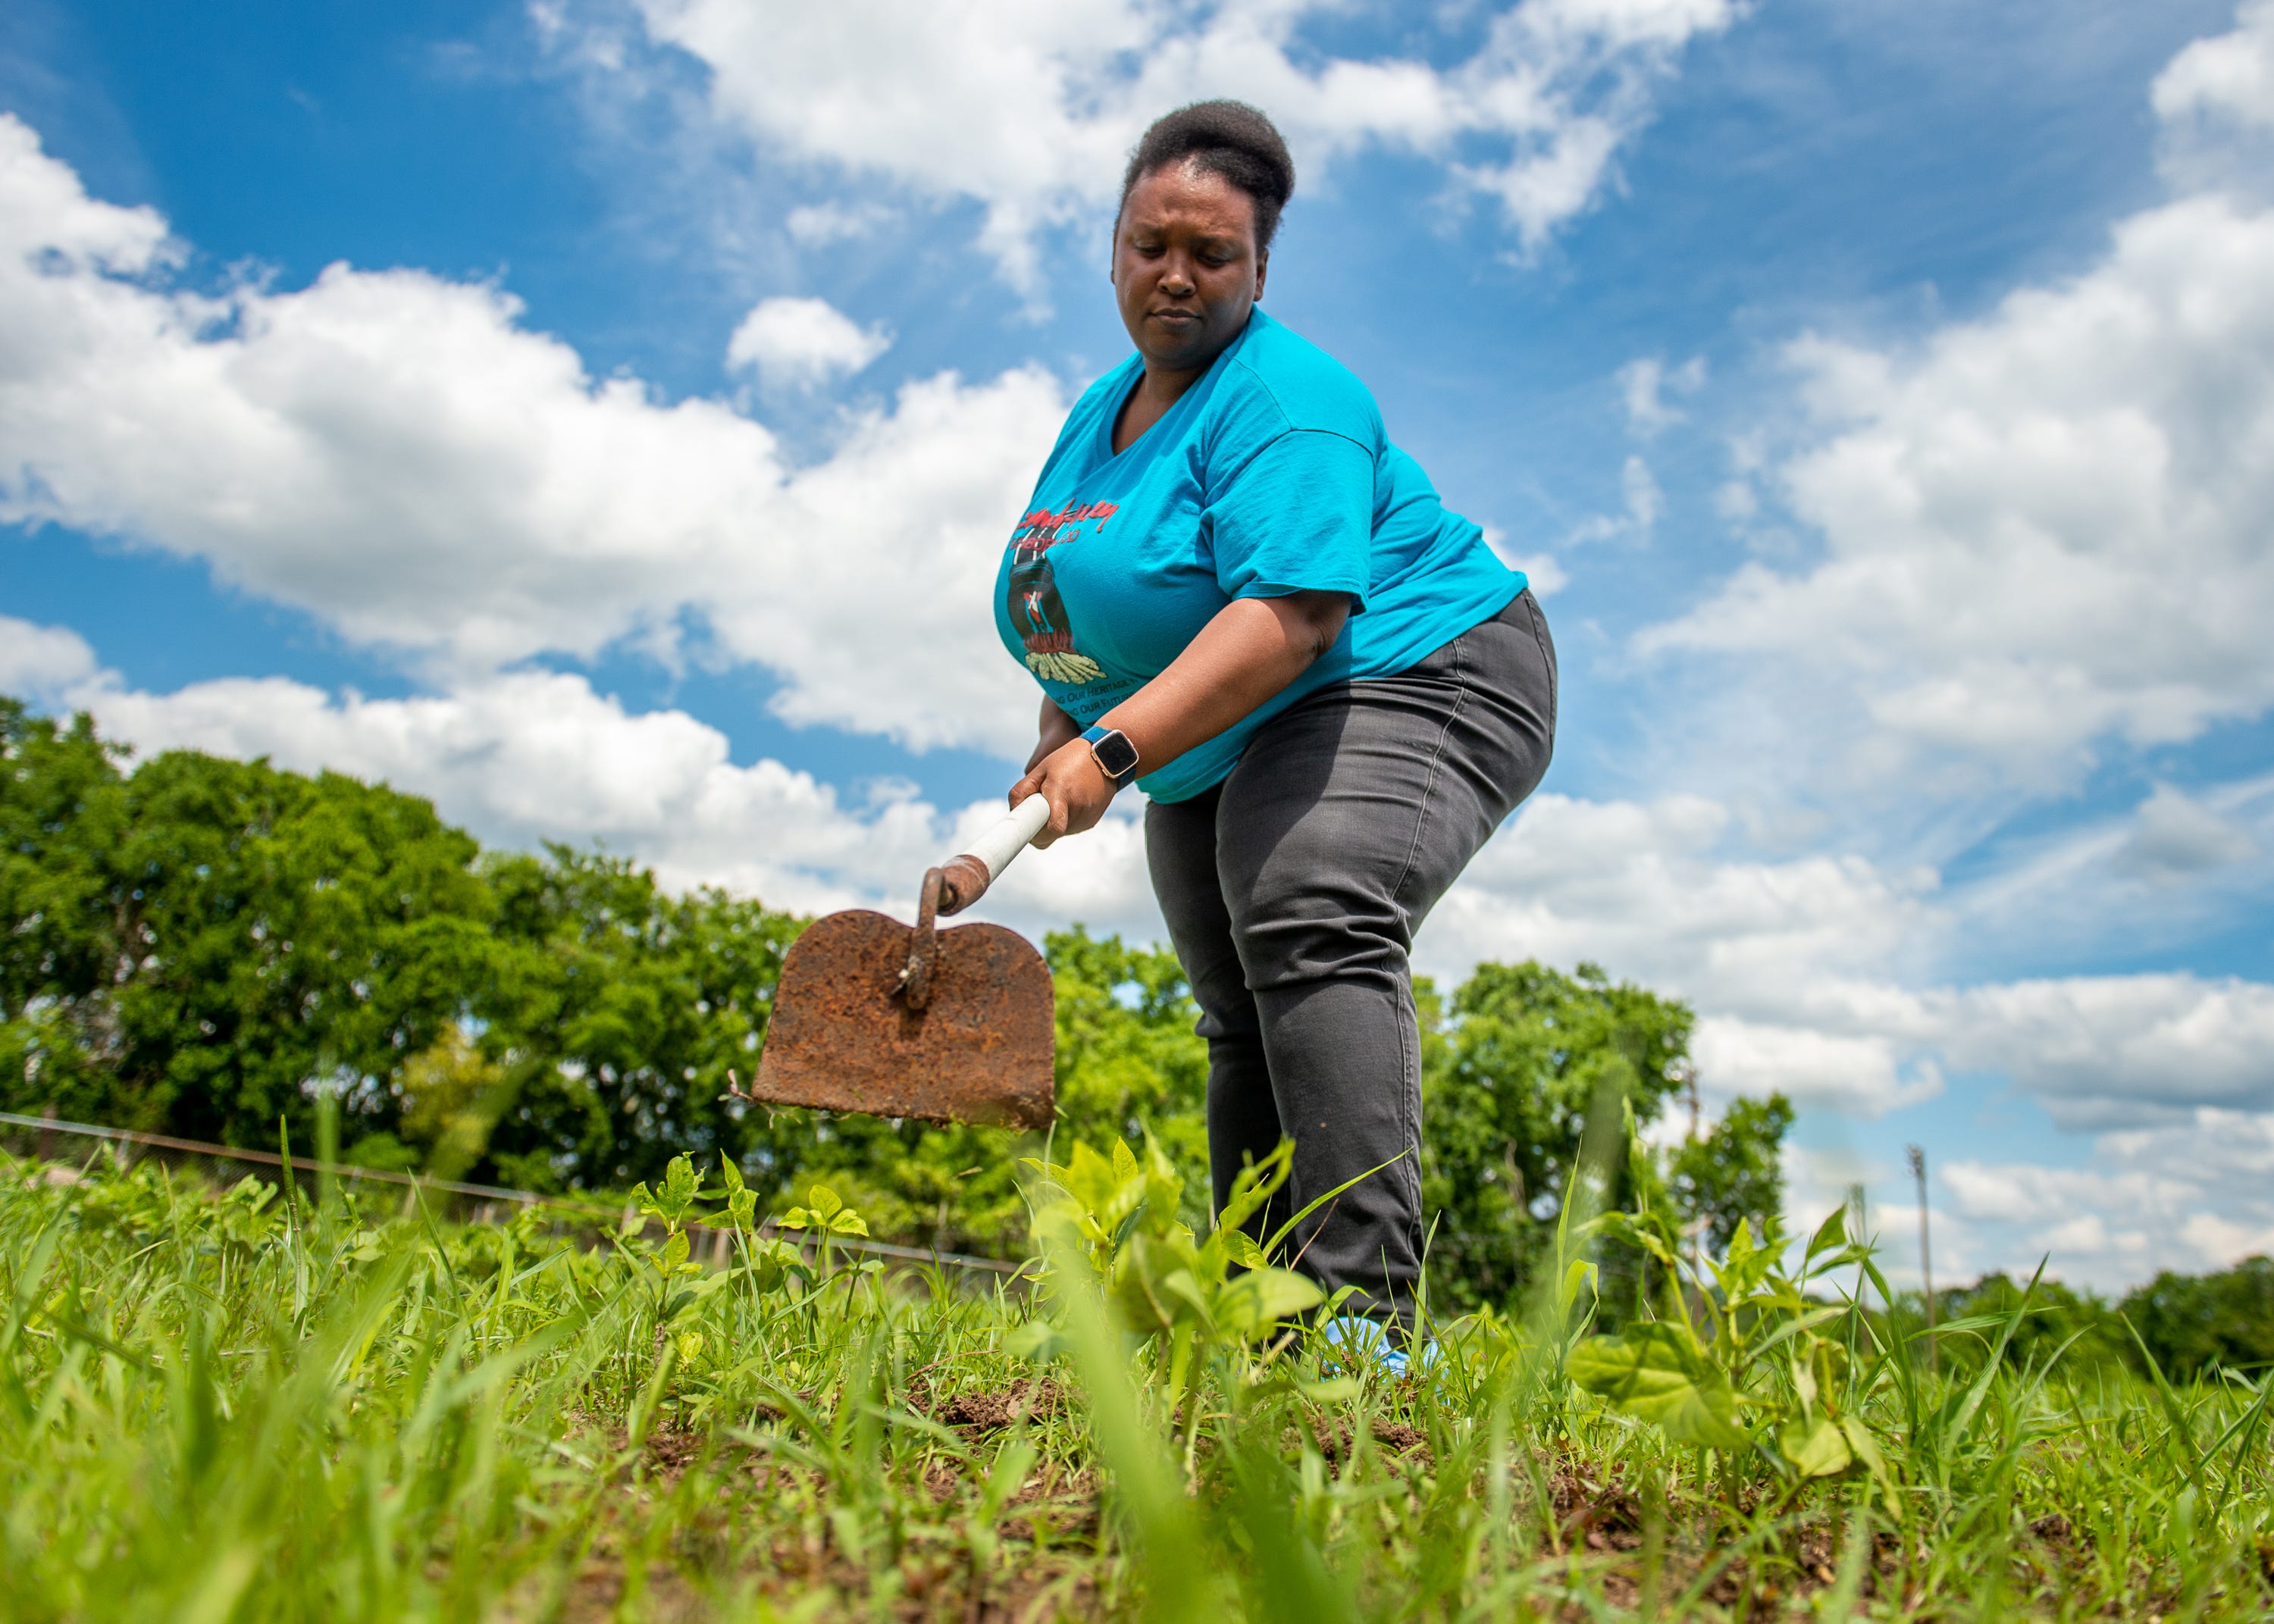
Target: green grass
{"type": "Point", "coordinates": [217, 1409]}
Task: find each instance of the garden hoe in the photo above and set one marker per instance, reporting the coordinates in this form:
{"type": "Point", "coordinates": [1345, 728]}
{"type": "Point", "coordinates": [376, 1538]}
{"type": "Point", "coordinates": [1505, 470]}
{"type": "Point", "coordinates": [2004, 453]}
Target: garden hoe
{"type": "Point", "coordinates": [949, 1025]}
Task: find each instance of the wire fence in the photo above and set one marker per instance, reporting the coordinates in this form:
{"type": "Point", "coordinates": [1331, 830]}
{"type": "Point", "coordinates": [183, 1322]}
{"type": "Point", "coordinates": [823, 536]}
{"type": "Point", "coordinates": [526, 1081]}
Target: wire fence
{"type": "Point", "coordinates": [70, 1149]}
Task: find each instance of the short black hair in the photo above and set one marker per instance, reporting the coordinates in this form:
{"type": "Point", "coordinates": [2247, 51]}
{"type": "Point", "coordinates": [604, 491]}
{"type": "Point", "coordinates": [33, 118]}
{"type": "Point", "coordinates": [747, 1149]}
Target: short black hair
{"type": "Point", "coordinates": [1229, 140]}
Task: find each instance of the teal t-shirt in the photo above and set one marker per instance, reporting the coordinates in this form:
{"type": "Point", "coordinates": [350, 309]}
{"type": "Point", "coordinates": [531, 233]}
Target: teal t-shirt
{"type": "Point", "coordinates": [1270, 475]}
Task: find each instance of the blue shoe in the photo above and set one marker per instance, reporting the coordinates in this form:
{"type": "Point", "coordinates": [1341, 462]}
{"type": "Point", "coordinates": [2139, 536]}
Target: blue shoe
{"type": "Point", "coordinates": [1360, 1342]}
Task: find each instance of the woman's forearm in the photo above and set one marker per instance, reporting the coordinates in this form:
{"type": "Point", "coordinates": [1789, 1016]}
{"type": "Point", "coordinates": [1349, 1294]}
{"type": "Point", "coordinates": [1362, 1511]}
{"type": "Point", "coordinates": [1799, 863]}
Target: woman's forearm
{"type": "Point", "coordinates": [1253, 649]}
{"type": "Point", "coordinates": [1053, 728]}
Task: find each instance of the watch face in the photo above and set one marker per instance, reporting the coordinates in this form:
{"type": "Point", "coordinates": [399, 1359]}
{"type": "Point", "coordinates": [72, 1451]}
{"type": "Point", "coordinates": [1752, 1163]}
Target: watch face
{"type": "Point", "coordinates": [1116, 755]}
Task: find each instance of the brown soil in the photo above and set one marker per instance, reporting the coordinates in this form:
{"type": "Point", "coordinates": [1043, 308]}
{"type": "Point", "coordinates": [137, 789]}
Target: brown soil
{"type": "Point", "coordinates": [986, 1411]}
{"type": "Point", "coordinates": [1404, 1443]}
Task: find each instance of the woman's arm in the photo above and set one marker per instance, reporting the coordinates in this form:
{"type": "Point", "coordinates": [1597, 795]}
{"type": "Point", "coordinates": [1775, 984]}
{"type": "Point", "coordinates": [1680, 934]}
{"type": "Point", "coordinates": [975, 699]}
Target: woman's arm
{"type": "Point", "coordinates": [1253, 647]}
{"type": "Point", "coordinates": [1054, 728]}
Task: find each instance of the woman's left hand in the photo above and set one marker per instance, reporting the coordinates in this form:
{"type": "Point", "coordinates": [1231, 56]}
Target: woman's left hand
{"type": "Point", "coordinates": [1076, 786]}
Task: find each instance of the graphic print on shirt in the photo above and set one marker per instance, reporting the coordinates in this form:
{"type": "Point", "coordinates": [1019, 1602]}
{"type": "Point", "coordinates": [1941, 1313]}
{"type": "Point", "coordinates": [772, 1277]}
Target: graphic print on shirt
{"type": "Point", "coordinates": [1036, 610]}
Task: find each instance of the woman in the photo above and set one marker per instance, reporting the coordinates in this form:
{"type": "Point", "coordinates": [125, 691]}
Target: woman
{"type": "Point", "coordinates": [1237, 594]}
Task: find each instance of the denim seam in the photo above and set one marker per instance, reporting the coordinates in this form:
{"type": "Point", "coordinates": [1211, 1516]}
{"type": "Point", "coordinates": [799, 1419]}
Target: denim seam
{"type": "Point", "coordinates": [1540, 642]}
{"type": "Point", "coordinates": [1436, 760]}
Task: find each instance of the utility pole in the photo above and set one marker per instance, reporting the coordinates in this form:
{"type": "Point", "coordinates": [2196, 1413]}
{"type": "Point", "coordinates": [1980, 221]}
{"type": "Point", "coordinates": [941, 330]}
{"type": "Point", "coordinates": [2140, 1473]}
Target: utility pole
{"type": "Point", "coordinates": [1855, 1233]}
{"type": "Point", "coordinates": [1926, 1258]}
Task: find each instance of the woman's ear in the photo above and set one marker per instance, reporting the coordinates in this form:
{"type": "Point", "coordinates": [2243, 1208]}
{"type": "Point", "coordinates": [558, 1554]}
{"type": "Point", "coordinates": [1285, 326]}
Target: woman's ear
{"type": "Point", "coordinates": [1262, 269]}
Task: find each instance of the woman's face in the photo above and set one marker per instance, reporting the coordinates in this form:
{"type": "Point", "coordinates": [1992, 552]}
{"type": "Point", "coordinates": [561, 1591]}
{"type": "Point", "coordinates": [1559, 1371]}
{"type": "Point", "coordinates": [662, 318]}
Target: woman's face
{"type": "Point", "coordinates": [1186, 269]}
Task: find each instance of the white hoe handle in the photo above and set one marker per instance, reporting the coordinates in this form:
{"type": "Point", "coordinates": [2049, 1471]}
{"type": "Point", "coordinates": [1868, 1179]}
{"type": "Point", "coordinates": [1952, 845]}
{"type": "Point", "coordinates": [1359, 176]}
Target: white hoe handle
{"type": "Point", "coordinates": [968, 876]}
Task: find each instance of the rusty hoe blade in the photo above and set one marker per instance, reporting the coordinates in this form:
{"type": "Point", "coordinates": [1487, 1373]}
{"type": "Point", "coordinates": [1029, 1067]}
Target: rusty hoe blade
{"type": "Point", "coordinates": [949, 1025]}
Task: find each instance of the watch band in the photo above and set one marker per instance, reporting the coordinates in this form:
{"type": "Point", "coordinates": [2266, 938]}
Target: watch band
{"type": "Point", "coordinates": [1116, 756]}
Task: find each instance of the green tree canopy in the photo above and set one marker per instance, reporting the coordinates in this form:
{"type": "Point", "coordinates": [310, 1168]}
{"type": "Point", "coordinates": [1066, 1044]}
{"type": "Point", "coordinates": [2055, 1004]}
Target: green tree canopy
{"type": "Point", "coordinates": [2193, 1324]}
{"type": "Point", "coordinates": [1507, 1086]}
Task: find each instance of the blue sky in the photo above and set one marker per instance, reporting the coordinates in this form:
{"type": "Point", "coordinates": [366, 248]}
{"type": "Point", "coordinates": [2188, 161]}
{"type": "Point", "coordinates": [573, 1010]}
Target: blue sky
{"type": "Point", "coordinates": [1882, 394]}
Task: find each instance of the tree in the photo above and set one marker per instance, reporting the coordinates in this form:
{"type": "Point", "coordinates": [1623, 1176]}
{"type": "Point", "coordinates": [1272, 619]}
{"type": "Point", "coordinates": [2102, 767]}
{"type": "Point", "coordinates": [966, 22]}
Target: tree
{"type": "Point", "coordinates": [2078, 1325]}
{"type": "Point", "coordinates": [1528, 1054]}
{"type": "Point", "coordinates": [210, 941]}
{"type": "Point", "coordinates": [619, 1012]}
{"type": "Point", "coordinates": [2194, 1325]}
{"type": "Point", "coordinates": [1734, 1172]}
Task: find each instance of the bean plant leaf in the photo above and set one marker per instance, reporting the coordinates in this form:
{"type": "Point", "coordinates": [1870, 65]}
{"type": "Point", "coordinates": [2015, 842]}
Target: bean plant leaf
{"type": "Point", "coordinates": [1656, 1372]}
{"type": "Point", "coordinates": [681, 1185]}
{"type": "Point", "coordinates": [1256, 1185]}
{"type": "Point", "coordinates": [1261, 1297]}
{"type": "Point", "coordinates": [1817, 1449]}
{"type": "Point", "coordinates": [1241, 1248]}
{"type": "Point", "coordinates": [1866, 1446]}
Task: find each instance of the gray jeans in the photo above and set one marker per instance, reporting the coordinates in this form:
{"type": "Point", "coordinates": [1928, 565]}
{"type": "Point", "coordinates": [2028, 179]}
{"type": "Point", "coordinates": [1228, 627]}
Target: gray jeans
{"type": "Point", "coordinates": [1292, 891]}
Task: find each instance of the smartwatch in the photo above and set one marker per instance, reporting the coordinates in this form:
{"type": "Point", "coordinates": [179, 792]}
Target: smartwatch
{"type": "Point", "coordinates": [1116, 758]}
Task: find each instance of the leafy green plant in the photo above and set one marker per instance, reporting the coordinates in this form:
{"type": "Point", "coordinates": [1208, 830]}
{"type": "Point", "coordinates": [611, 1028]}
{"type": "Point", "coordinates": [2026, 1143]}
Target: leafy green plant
{"type": "Point", "coordinates": [1733, 1357]}
{"type": "Point", "coordinates": [825, 1216]}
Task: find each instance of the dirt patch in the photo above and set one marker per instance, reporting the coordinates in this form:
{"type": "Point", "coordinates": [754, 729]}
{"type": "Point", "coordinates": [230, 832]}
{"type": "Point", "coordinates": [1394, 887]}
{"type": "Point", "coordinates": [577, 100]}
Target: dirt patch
{"type": "Point", "coordinates": [1054, 1505]}
{"type": "Point", "coordinates": [1403, 1442]}
{"type": "Point", "coordinates": [670, 1451]}
{"type": "Point", "coordinates": [1399, 1437]}
{"type": "Point", "coordinates": [941, 1482]}
{"type": "Point", "coordinates": [988, 1411]}
{"type": "Point", "coordinates": [1594, 1509]}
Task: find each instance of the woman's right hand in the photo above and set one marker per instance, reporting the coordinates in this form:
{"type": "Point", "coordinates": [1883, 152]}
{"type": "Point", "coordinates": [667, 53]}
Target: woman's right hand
{"type": "Point", "coordinates": [1076, 787]}
{"type": "Point", "coordinates": [1076, 802]}
{"type": "Point", "coordinates": [1055, 728]}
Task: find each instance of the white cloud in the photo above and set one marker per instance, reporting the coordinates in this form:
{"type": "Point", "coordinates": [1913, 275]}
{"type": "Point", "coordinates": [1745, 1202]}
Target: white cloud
{"type": "Point", "coordinates": [2109, 1051]}
{"type": "Point", "coordinates": [39, 662]}
{"type": "Point", "coordinates": [1030, 107]}
{"type": "Point", "coordinates": [1542, 570]}
{"type": "Point", "coordinates": [816, 225]}
{"type": "Point", "coordinates": [2195, 1195]}
{"type": "Point", "coordinates": [397, 454]}
{"type": "Point", "coordinates": [1652, 891]}
{"type": "Point", "coordinates": [1813, 974]}
{"type": "Point", "coordinates": [1855, 1075]}
{"type": "Point", "coordinates": [2045, 526]}
{"type": "Point", "coordinates": [1642, 502]}
{"type": "Point", "coordinates": [803, 342]}
{"type": "Point", "coordinates": [2174, 838]}
{"type": "Point", "coordinates": [1642, 384]}
{"type": "Point", "coordinates": [2228, 76]}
